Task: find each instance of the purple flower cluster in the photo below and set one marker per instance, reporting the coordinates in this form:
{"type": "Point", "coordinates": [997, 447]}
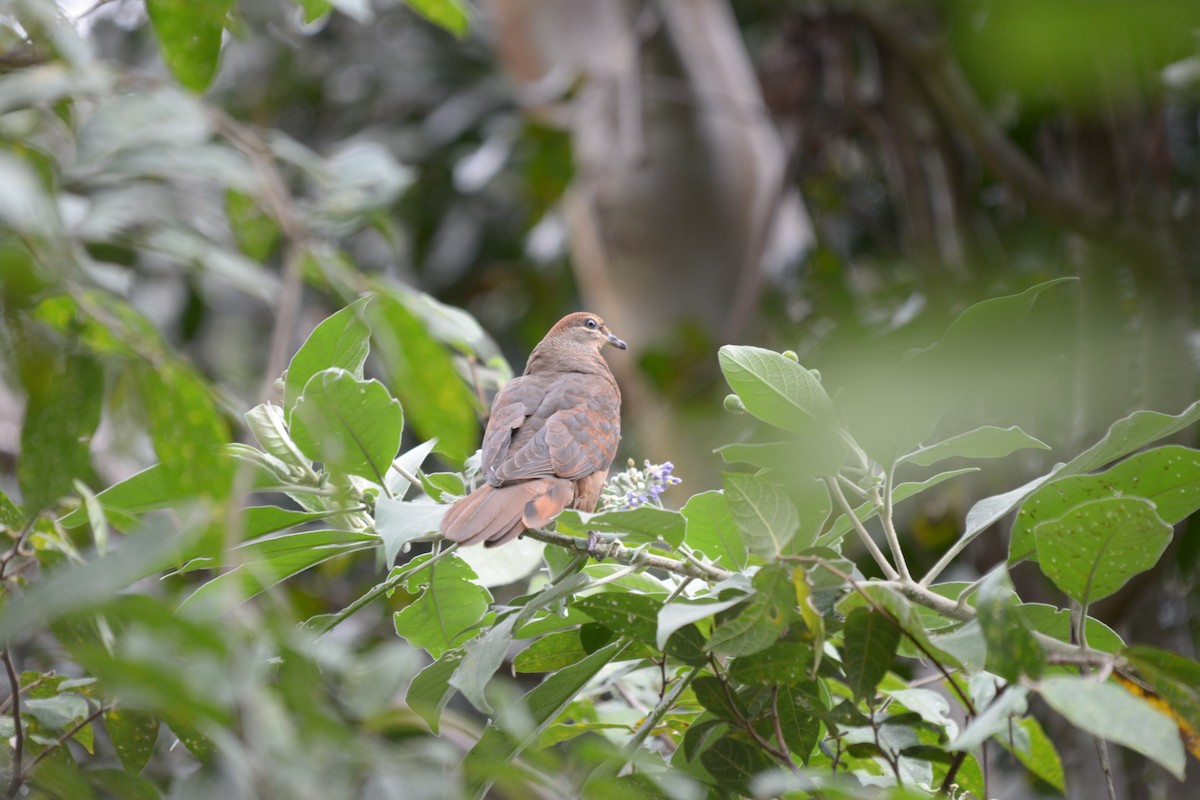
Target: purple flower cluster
{"type": "Point", "coordinates": [638, 487]}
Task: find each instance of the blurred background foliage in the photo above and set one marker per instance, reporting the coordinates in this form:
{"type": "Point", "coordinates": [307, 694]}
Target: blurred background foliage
{"type": "Point", "coordinates": [186, 189]}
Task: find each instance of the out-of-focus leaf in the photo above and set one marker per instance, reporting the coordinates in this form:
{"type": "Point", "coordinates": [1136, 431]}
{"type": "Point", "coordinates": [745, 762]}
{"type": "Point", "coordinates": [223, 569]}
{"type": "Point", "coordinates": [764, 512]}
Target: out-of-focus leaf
{"type": "Point", "coordinates": [437, 401]}
{"type": "Point", "coordinates": [189, 434]}
{"type": "Point", "coordinates": [24, 203]}
{"type": "Point", "coordinates": [993, 720]}
{"type": "Point", "coordinates": [759, 624]}
{"type": "Point", "coordinates": [482, 657]}
{"type": "Point", "coordinates": [1095, 548]}
{"type": "Point", "coordinates": [1012, 649]}
{"type": "Point", "coordinates": [61, 415]}
{"type": "Point", "coordinates": [734, 762]}
{"type": "Point", "coordinates": [11, 516]}
{"type": "Point", "coordinates": [1167, 476]}
{"type": "Point", "coordinates": [449, 605]}
{"type": "Point", "coordinates": [315, 8]}
{"type": "Point", "coordinates": [1039, 756]}
{"type": "Point", "coordinates": [133, 735]}
{"type": "Point", "coordinates": [551, 652]}
{"type": "Point", "coordinates": [866, 511]}
{"type": "Point", "coordinates": [986, 442]}
{"type": "Point", "coordinates": [1056, 622]}
{"type": "Point", "coordinates": [189, 36]}
{"type": "Point", "coordinates": [632, 615]}
{"type": "Point", "coordinates": [711, 530]}
{"type": "Point", "coordinates": [1109, 712]}
{"type": "Point", "coordinates": [341, 340]}
{"type": "Point", "coordinates": [763, 511]}
{"type": "Point", "coordinates": [450, 15]}
{"type": "Point", "coordinates": [351, 426]}
{"type": "Point", "coordinates": [678, 614]}
{"type": "Point", "coordinates": [430, 689]}
{"type": "Point", "coordinates": [256, 233]}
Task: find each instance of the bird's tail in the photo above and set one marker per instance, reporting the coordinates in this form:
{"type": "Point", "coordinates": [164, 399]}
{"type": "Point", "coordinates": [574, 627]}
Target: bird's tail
{"type": "Point", "coordinates": [495, 515]}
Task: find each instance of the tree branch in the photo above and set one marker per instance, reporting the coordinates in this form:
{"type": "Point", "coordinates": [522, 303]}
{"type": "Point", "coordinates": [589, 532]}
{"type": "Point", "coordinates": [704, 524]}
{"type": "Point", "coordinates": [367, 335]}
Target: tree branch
{"type": "Point", "coordinates": [638, 557]}
{"type": "Point", "coordinates": [14, 683]}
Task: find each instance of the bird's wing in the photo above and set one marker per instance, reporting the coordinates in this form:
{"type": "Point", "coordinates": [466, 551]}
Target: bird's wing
{"type": "Point", "coordinates": [573, 432]}
{"type": "Point", "coordinates": [515, 403]}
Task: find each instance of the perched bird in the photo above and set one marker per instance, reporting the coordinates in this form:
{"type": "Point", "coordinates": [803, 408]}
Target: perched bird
{"type": "Point", "coordinates": [550, 440]}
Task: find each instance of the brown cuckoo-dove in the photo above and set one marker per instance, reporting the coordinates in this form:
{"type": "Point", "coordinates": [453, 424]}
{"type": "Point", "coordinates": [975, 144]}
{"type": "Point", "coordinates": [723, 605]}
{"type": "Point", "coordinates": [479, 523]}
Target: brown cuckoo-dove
{"type": "Point", "coordinates": [550, 440]}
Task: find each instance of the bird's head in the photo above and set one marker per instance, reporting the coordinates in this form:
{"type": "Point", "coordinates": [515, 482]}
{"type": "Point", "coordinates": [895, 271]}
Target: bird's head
{"type": "Point", "coordinates": [585, 328]}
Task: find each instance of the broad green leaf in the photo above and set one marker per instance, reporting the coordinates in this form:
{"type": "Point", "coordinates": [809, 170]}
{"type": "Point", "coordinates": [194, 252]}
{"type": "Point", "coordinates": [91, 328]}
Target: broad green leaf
{"type": "Point", "coordinates": [986, 442]}
{"type": "Point", "coordinates": [189, 36]}
{"type": "Point", "coordinates": [711, 692]}
{"type": "Point", "coordinates": [398, 522]}
{"type": "Point", "coordinates": [267, 561]}
{"type": "Point", "coordinates": [531, 715]}
{"type": "Point", "coordinates": [1039, 756]}
{"type": "Point", "coordinates": [801, 727]}
{"type": "Point", "coordinates": [1095, 548]}
{"type": "Point", "coordinates": [436, 400]}
{"type": "Point", "coordinates": [781, 664]}
{"type": "Point", "coordinates": [641, 525]}
{"type": "Point", "coordinates": [1175, 679]}
{"type": "Point", "coordinates": [133, 735]}
{"type": "Point", "coordinates": [61, 414]}
{"type": "Point", "coordinates": [260, 520]}
{"type": "Point", "coordinates": [776, 389]}
{"type": "Point", "coordinates": [551, 652]}
{"type": "Point", "coordinates": [450, 15]}
{"type": "Point", "coordinates": [1012, 649]}
{"type": "Point", "coordinates": [632, 615]}
{"type": "Point", "coordinates": [188, 432]}
{"type": "Point", "coordinates": [679, 613]}
{"type": "Point", "coordinates": [1167, 476]}
{"type": "Point", "coordinates": [342, 340]}
{"type": "Point", "coordinates": [813, 453]}
{"type": "Point", "coordinates": [430, 689]}
{"type": "Point", "coordinates": [760, 623]}
{"type": "Point", "coordinates": [482, 657]}
{"type": "Point", "coordinates": [1109, 712]}
{"type": "Point", "coordinates": [866, 511]}
{"type": "Point", "coordinates": [1056, 623]}
{"type": "Point", "coordinates": [813, 504]}
{"type": "Point", "coordinates": [711, 530]}
{"type": "Point", "coordinates": [351, 426]}
{"type": "Point", "coordinates": [870, 647]}
{"type": "Point", "coordinates": [448, 608]}
{"type": "Point", "coordinates": [903, 612]}
{"type": "Point", "coordinates": [734, 761]}
{"type": "Point", "coordinates": [11, 516]}
{"type": "Point", "coordinates": [763, 511]}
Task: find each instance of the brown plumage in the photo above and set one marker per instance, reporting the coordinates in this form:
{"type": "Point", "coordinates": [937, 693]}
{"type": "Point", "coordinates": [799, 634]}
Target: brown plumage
{"type": "Point", "coordinates": [550, 440]}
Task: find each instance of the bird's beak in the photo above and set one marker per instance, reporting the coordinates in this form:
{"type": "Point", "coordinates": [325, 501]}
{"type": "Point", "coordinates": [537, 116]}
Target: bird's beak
{"type": "Point", "coordinates": [617, 342]}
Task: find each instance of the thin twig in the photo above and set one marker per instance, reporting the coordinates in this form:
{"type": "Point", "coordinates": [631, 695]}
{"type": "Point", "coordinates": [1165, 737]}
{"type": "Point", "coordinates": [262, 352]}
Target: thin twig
{"type": "Point", "coordinates": [635, 557]}
{"type": "Point", "coordinates": [836, 491]}
{"type": "Point", "coordinates": [782, 754]}
{"type": "Point", "coordinates": [889, 527]}
{"type": "Point", "coordinates": [14, 683]}
{"type": "Point", "coordinates": [63, 739]}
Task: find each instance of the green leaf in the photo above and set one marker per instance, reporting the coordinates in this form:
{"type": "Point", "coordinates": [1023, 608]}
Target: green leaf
{"type": "Point", "coordinates": [734, 762]}
{"type": "Point", "coordinates": [398, 522]}
{"type": "Point", "coordinates": [1056, 623]}
{"type": "Point", "coordinates": [133, 735]}
{"type": "Point", "coordinates": [678, 614]}
{"type": "Point", "coordinates": [447, 611]}
{"type": "Point", "coordinates": [430, 689]}
{"type": "Point", "coordinates": [270, 560]}
{"type": "Point", "coordinates": [710, 692]}
{"type": "Point", "coordinates": [1174, 678]}
{"type": "Point", "coordinates": [762, 621]}
{"type": "Point", "coordinates": [1012, 649]}
{"type": "Point", "coordinates": [255, 232]}
{"type": "Point", "coordinates": [776, 389]}
{"type": "Point", "coordinates": [450, 15]}
{"type": "Point", "coordinates": [995, 720]}
{"type": "Point", "coordinates": [482, 657]}
{"type": "Point", "coordinates": [781, 664]}
{"type": "Point", "coordinates": [551, 652]}
{"type": "Point", "coordinates": [813, 453]}
{"type": "Point", "coordinates": [531, 715]}
{"type": "Point", "coordinates": [905, 614]}
{"type": "Point", "coordinates": [189, 36]}
{"type": "Point", "coordinates": [711, 530]}
{"type": "Point", "coordinates": [641, 525]}
{"type": "Point", "coordinates": [801, 728]}
{"type": "Point", "coordinates": [341, 340]}
{"type": "Point", "coordinates": [188, 432]}
{"type": "Point", "coordinates": [11, 516]}
{"type": "Point", "coordinates": [1109, 712]}
{"type": "Point", "coordinates": [763, 511]}
{"type": "Point", "coordinates": [62, 412]}
{"type": "Point", "coordinates": [1167, 476]}
{"type": "Point", "coordinates": [986, 442]}
{"type": "Point", "coordinates": [1039, 756]}
{"type": "Point", "coordinates": [419, 369]}
{"type": "Point", "coordinates": [351, 426]}
{"type": "Point", "coordinates": [314, 8]}
{"type": "Point", "coordinates": [870, 647]}
{"type": "Point", "coordinates": [632, 615]}
{"type": "Point", "coordinates": [1095, 548]}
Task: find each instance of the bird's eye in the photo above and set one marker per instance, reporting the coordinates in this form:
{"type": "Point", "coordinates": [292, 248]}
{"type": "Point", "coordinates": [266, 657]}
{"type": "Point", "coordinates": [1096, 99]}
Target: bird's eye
{"type": "Point", "coordinates": [591, 323]}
